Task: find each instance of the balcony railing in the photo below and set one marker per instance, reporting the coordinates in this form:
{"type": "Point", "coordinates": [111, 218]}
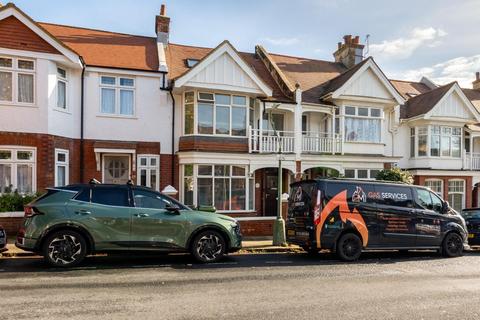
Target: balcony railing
{"type": "Point", "coordinates": [321, 142]}
{"type": "Point", "coordinates": [269, 141]}
{"type": "Point", "coordinates": [472, 161]}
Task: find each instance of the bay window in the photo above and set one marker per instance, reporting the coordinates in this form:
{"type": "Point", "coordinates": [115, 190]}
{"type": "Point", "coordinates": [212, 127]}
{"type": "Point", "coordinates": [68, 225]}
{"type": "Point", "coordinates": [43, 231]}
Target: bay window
{"type": "Point", "coordinates": [369, 174]}
{"type": "Point", "coordinates": [148, 171]}
{"type": "Point", "coordinates": [363, 124]}
{"type": "Point", "coordinates": [17, 170]}
{"type": "Point", "coordinates": [17, 78]}
{"type": "Point", "coordinates": [436, 185]}
{"type": "Point", "coordinates": [226, 187]}
{"type": "Point", "coordinates": [117, 95]}
{"type": "Point", "coordinates": [216, 114]}
{"type": "Point", "coordinates": [436, 141]}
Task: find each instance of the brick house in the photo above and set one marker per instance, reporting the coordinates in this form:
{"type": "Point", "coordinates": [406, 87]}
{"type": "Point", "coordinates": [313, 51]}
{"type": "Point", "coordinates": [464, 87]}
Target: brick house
{"type": "Point", "coordinates": [79, 103]}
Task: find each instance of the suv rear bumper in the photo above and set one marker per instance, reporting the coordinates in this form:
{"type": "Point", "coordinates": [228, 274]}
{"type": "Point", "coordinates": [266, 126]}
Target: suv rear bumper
{"type": "Point", "coordinates": [26, 244]}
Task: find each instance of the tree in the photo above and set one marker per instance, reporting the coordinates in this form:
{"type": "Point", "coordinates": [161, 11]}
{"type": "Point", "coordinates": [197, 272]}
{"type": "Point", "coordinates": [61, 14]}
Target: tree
{"type": "Point", "coordinates": [395, 174]}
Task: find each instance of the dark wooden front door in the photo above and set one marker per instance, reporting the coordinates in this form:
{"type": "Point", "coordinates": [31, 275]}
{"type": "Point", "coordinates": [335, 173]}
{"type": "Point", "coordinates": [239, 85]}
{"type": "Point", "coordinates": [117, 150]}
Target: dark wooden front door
{"type": "Point", "coordinates": [270, 192]}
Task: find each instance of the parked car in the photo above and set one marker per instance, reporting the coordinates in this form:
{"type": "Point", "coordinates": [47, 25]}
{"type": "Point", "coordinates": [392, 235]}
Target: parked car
{"type": "Point", "coordinates": [70, 222]}
{"type": "Point", "coordinates": [472, 219]}
{"type": "Point", "coordinates": [347, 216]}
{"type": "Point", "coordinates": [3, 240]}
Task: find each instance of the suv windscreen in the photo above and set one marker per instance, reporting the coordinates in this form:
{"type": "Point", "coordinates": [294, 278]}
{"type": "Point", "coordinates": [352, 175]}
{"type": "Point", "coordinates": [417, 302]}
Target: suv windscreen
{"type": "Point", "coordinates": [110, 196]}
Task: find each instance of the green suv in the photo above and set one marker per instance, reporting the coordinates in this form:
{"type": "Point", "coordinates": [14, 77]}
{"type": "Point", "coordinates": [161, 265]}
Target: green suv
{"type": "Point", "coordinates": [68, 223]}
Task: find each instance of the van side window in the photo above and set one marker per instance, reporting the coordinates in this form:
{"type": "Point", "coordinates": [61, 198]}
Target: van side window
{"type": "Point", "coordinates": [394, 196]}
{"type": "Point", "coordinates": [428, 200]}
{"type": "Point", "coordinates": [356, 193]}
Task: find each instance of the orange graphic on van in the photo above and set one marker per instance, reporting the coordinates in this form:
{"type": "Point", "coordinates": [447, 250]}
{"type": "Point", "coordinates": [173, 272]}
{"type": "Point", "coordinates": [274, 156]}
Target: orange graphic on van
{"type": "Point", "coordinates": [340, 201]}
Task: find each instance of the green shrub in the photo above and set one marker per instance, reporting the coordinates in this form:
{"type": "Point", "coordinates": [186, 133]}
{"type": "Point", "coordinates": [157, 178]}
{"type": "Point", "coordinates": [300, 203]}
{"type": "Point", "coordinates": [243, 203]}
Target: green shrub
{"type": "Point", "coordinates": [395, 174]}
{"type": "Point", "coordinates": [14, 201]}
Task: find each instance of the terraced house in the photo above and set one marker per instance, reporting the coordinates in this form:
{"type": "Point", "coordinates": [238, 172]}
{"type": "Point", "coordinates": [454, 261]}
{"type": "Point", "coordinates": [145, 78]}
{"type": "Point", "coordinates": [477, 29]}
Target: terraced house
{"type": "Point", "coordinates": [78, 103]}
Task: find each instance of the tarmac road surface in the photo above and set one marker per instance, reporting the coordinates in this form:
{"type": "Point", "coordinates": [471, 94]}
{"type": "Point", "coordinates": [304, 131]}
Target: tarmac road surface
{"type": "Point", "coordinates": [417, 285]}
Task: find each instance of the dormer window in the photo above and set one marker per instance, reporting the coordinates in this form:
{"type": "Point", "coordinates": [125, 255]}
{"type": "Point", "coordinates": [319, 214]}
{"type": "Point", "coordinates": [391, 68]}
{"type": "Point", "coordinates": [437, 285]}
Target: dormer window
{"type": "Point", "coordinates": [191, 62]}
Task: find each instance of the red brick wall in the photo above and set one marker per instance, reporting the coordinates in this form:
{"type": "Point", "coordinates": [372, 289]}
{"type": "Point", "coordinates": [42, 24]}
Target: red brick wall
{"type": "Point", "coordinates": [420, 180]}
{"type": "Point", "coordinates": [257, 228]}
{"type": "Point", "coordinates": [217, 144]}
{"type": "Point", "coordinates": [15, 35]}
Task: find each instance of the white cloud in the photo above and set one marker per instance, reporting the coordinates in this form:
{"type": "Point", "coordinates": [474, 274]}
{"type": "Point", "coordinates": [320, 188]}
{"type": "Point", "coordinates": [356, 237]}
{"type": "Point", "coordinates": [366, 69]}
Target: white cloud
{"type": "Point", "coordinates": [403, 48]}
{"type": "Point", "coordinates": [461, 69]}
{"type": "Point", "coordinates": [282, 41]}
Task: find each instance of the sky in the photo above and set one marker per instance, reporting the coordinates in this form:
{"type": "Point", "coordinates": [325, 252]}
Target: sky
{"type": "Point", "coordinates": [408, 39]}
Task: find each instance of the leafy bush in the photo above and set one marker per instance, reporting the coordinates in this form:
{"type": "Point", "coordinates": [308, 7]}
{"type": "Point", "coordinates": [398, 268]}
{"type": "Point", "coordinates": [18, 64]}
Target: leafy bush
{"type": "Point", "coordinates": [395, 174]}
{"type": "Point", "coordinates": [14, 201]}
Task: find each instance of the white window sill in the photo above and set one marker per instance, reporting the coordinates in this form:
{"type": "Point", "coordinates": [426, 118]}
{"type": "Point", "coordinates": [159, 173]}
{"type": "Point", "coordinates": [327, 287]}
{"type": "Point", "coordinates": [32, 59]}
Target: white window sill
{"type": "Point", "coordinates": [116, 116]}
{"type": "Point", "coordinates": [18, 104]}
{"type": "Point", "coordinates": [62, 110]}
{"type": "Point", "coordinates": [366, 142]}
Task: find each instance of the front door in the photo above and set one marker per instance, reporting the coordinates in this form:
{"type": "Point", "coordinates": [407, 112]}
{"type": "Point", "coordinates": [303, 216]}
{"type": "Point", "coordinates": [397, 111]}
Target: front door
{"type": "Point", "coordinates": [270, 192]}
{"type": "Point", "coordinates": [154, 227]}
{"type": "Point", "coordinates": [116, 169]}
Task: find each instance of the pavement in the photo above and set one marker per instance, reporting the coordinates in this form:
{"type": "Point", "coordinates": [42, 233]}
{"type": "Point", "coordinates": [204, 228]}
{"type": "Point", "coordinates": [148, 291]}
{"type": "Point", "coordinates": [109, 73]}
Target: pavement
{"type": "Point", "coordinates": [381, 285]}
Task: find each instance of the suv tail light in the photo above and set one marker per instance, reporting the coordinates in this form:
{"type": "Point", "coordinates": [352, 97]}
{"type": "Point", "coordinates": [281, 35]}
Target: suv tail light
{"type": "Point", "coordinates": [31, 211]}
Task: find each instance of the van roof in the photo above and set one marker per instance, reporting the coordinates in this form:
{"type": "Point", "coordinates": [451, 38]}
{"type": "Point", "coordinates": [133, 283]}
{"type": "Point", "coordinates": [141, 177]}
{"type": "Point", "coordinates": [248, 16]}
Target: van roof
{"type": "Point", "coordinates": [353, 181]}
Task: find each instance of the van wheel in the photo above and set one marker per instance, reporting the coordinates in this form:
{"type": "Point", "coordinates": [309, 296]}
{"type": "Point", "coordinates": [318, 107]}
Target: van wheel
{"type": "Point", "coordinates": [64, 249]}
{"type": "Point", "coordinates": [349, 247]}
{"type": "Point", "coordinates": [452, 245]}
{"type": "Point", "coordinates": [208, 246]}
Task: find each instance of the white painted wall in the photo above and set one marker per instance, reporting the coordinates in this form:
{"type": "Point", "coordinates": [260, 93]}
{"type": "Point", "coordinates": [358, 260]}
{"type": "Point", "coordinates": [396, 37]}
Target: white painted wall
{"type": "Point", "coordinates": [152, 118]}
{"type": "Point", "coordinates": [368, 85]}
{"type": "Point", "coordinates": [452, 106]}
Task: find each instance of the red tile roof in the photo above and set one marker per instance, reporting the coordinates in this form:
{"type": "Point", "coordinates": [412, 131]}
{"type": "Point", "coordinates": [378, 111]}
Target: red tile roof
{"type": "Point", "coordinates": [424, 102]}
{"type": "Point", "coordinates": [108, 49]}
{"type": "Point", "coordinates": [409, 89]}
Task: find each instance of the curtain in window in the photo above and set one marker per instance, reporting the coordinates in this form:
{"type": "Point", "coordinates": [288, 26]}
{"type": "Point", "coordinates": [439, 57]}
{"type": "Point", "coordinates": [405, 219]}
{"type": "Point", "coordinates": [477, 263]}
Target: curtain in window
{"type": "Point", "coordinates": [5, 86]}
{"type": "Point", "coordinates": [61, 178]}
{"type": "Point", "coordinates": [238, 194]}
{"type": "Point", "coordinates": [61, 94]}
{"type": "Point", "coordinates": [222, 194]}
{"type": "Point", "coordinates": [204, 192]}
{"type": "Point", "coordinates": [25, 88]}
{"type": "Point", "coordinates": [24, 178]}
{"type": "Point", "coordinates": [5, 177]}
{"type": "Point", "coordinates": [126, 102]}
{"type": "Point", "coordinates": [239, 121]}
{"type": "Point", "coordinates": [108, 100]}
{"type": "Point", "coordinates": [362, 130]}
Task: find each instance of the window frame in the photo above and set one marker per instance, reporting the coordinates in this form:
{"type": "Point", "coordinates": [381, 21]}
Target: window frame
{"type": "Point", "coordinates": [435, 180]}
{"type": "Point", "coordinates": [149, 168]}
{"type": "Point", "coordinates": [429, 135]}
{"type": "Point", "coordinates": [117, 88]}
{"type": "Point", "coordinates": [15, 71]}
{"type": "Point", "coordinates": [231, 106]}
{"type": "Point", "coordinates": [356, 115]}
{"type": "Point", "coordinates": [65, 82]}
{"type": "Point", "coordinates": [14, 162]}
{"type": "Point", "coordinates": [463, 193]}
{"type": "Point", "coordinates": [65, 164]}
{"type": "Point", "coordinates": [248, 178]}
{"type": "Point", "coordinates": [369, 173]}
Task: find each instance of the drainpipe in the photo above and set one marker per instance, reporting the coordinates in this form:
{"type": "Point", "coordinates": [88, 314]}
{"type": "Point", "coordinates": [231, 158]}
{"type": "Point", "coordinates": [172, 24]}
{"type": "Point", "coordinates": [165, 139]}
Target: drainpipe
{"type": "Point", "coordinates": [82, 111]}
{"type": "Point", "coordinates": [164, 87]}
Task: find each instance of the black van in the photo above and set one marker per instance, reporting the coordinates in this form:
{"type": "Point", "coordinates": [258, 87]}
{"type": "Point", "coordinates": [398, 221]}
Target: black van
{"type": "Point", "coordinates": [346, 216]}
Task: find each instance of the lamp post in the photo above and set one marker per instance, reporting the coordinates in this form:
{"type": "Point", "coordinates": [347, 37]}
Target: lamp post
{"type": "Point", "coordinates": [279, 238]}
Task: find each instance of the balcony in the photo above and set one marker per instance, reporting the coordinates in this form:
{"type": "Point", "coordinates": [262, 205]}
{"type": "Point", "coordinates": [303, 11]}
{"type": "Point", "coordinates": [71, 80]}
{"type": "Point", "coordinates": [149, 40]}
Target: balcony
{"type": "Point", "coordinates": [321, 142]}
{"type": "Point", "coordinates": [472, 161]}
{"type": "Point", "coordinates": [268, 141]}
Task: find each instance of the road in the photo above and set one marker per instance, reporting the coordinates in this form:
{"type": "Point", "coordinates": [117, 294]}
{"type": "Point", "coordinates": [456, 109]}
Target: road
{"type": "Point", "coordinates": [417, 285]}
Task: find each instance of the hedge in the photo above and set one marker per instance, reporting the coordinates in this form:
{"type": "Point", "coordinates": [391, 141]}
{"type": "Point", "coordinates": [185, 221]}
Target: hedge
{"type": "Point", "coordinates": [15, 201]}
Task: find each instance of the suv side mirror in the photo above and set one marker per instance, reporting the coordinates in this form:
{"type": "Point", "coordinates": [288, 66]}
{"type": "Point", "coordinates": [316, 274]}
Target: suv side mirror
{"type": "Point", "coordinates": [172, 208]}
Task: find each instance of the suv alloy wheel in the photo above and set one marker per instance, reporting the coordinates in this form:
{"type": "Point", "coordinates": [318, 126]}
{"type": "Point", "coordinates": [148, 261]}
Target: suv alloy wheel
{"type": "Point", "coordinates": [64, 249]}
{"type": "Point", "coordinates": [208, 246]}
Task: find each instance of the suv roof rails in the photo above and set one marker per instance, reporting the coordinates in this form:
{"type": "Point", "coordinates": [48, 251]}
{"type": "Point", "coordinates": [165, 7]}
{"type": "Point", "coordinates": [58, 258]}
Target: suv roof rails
{"type": "Point", "coordinates": [94, 181]}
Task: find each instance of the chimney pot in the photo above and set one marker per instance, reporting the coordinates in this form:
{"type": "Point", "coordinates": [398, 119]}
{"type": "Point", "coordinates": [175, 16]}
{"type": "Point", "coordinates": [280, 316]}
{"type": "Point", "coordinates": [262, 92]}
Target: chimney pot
{"type": "Point", "coordinates": [477, 75]}
{"type": "Point", "coordinates": [339, 45]}
{"type": "Point", "coordinates": [347, 38]}
{"type": "Point", "coordinates": [162, 10]}
{"type": "Point", "coordinates": [356, 40]}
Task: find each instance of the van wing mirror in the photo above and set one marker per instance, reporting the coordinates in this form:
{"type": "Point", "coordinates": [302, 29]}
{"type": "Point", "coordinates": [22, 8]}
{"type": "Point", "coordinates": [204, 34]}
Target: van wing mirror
{"type": "Point", "coordinates": [445, 206]}
{"type": "Point", "coordinates": [173, 208]}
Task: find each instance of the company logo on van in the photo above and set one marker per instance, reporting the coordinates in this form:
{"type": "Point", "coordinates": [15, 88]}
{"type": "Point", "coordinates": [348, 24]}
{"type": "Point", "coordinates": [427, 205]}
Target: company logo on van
{"type": "Point", "coordinates": [298, 195]}
{"type": "Point", "coordinates": [359, 195]}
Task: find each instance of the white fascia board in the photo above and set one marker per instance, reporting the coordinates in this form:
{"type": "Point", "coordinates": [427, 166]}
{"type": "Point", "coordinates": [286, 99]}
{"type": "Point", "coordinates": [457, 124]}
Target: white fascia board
{"type": "Point", "coordinates": [38, 55]}
{"type": "Point", "coordinates": [224, 48]}
{"type": "Point", "coordinates": [370, 64]}
{"type": "Point", "coordinates": [72, 56]}
{"type": "Point", "coordinates": [152, 74]}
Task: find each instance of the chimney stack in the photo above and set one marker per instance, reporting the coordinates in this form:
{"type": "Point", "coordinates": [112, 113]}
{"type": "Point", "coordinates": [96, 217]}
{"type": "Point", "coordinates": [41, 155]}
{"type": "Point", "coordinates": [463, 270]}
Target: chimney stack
{"type": "Point", "coordinates": [350, 52]}
{"type": "Point", "coordinates": [476, 82]}
{"type": "Point", "coordinates": [162, 26]}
